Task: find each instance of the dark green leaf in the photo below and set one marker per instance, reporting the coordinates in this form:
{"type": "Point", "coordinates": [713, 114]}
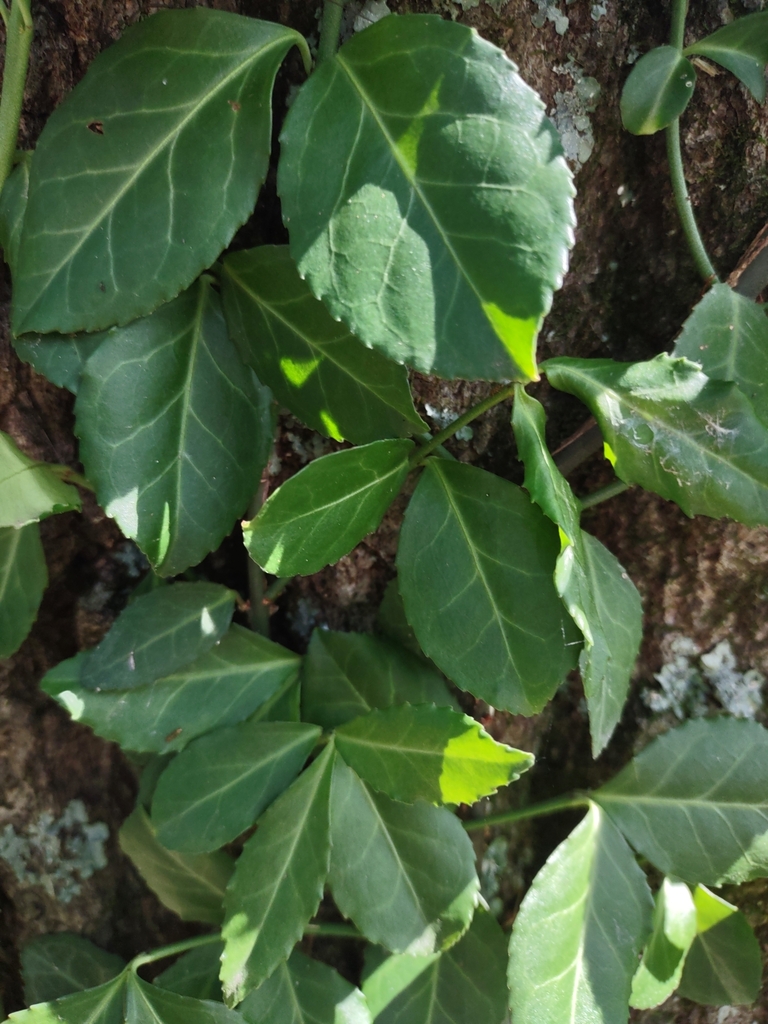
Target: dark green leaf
{"type": "Point", "coordinates": [222, 782]}
{"type": "Point", "coordinates": [674, 929]}
{"type": "Point", "coordinates": [144, 173]}
{"type": "Point", "coordinates": [58, 358]}
{"type": "Point", "coordinates": [327, 508]}
{"type": "Point", "coordinates": [195, 974]}
{"type": "Point", "coordinates": [29, 490]}
{"type": "Point", "coordinates": [314, 365]}
{"type": "Point", "coordinates": [391, 620]}
{"type": "Point", "coordinates": [13, 204]}
{"type": "Point", "coordinates": [57, 965]}
{"type": "Point", "coordinates": [278, 882]}
{"type": "Point", "coordinates": [149, 1004]}
{"type": "Point", "coordinates": [192, 885]}
{"type": "Point", "coordinates": [695, 801]}
{"type": "Point", "coordinates": [23, 579]}
{"type": "Point", "coordinates": [580, 928]}
{"type": "Point", "coordinates": [404, 874]}
{"type": "Point", "coordinates": [427, 198]}
{"type": "Point", "coordinates": [283, 706]}
{"type": "Point", "coordinates": [475, 567]}
{"type": "Point", "coordinates": [658, 90]}
{"type": "Point", "coordinates": [304, 991]}
{"type": "Point", "coordinates": [102, 1005]}
{"type": "Point", "coordinates": [350, 674]}
{"type": "Point", "coordinates": [741, 47]}
{"type": "Point", "coordinates": [672, 430]}
{"type": "Point", "coordinates": [174, 429]}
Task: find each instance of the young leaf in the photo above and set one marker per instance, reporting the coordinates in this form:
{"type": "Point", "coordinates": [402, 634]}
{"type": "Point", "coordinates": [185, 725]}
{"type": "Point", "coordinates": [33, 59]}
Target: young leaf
{"type": "Point", "coordinates": [600, 597]}
{"type": "Point", "coordinates": [224, 686]}
{"type": "Point", "coordinates": [674, 929]}
{"type": "Point", "coordinates": [724, 966]}
{"type": "Point", "coordinates": [727, 335]}
{"type": "Point", "coordinates": [192, 885]}
{"type": "Point", "coordinates": [658, 90]}
{"type": "Point", "coordinates": [428, 753]}
{"type": "Point", "coordinates": [278, 881]}
{"type": "Point", "coordinates": [29, 490]}
{"type": "Point", "coordinates": [404, 874]}
{"type": "Point", "coordinates": [23, 579]}
{"type": "Point", "coordinates": [349, 674]}
{"type": "Point", "coordinates": [741, 47]}
{"type": "Point", "coordinates": [418, 175]}
{"type": "Point", "coordinates": [195, 974]}
{"type": "Point", "coordinates": [57, 965]}
{"type": "Point", "coordinates": [580, 928]}
{"type": "Point", "coordinates": [222, 782]}
{"type": "Point", "coordinates": [304, 991]}
{"type": "Point", "coordinates": [674, 431]}
{"type": "Point", "coordinates": [169, 392]}
{"type": "Point", "coordinates": [149, 1004]}
{"type": "Point", "coordinates": [327, 508]}
{"type": "Point", "coordinates": [102, 1005]}
{"type": "Point", "coordinates": [120, 215]}
{"type": "Point", "coordinates": [475, 567]}
{"type": "Point", "coordinates": [13, 204]}
{"type": "Point", "coordinates": [58, 358]}
{"type": "Point", "coordinates": [695, 801]}
{"type": "Point", "coordinates": [314, 365]}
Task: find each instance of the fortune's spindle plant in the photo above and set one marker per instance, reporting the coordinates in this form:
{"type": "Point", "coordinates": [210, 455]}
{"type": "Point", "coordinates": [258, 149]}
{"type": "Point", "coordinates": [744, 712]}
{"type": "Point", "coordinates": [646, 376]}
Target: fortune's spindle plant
{"type": "Point", "coordinates": [430, 215]}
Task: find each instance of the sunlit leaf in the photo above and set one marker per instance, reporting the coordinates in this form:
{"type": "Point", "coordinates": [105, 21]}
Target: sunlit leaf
{"type": "Point", "coordinates": [102, 1005]}
{"type": "Point", "coordinates": [57, 965]}
{"type": "Point", "coordinates": [741, 47]}
{"type": "Point", "coordinates": [23, 579]}
{"type": "Point", "coordinates": [29, 490]}
{"type": "Point", "coordinates": [674, 929]}
{"type": "Point", "coordinates": [658, 90]}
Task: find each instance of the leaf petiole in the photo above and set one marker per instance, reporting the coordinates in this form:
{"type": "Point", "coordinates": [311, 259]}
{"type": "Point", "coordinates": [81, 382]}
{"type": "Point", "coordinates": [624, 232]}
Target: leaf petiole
{"type": "Point", "coordinates": [19, 32]}
{"type": "Point", "coordinates": [576, 801]}
{"type": "Point", "coordinates": [471, 414]}
{"type": "Point", "coordinates": [330, 30]}
{"type": "Point", "coordinates": [604, 494]}
{"type": "Point", "coordinates": [176, 947]}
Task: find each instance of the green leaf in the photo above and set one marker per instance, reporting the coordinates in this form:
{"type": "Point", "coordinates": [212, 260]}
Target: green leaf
{"type": "Point", "coordinates": [222, 782]}
{"type": "Point", "coordinates": [475, 567]}
{"type": "Point", "coordinates": [658, 90]}
{"type": "Point", "coordinates": [149, 1004]}
{"type": "Point", "coordinates": [195, 974]}
{"type": "Point", "coordinates": [579, 930]}
{"type": "Point", "coordinates": [13, 204]}
{"type": "Point", "coordinates": [192, 885]}
{"type": "Point", "coordinates": [58, 358]}
{"type": "Point", "coordinates": [169, 392]}
{"type": "Point", "coordinates": [278, 881]}
{"type": "Point", "coordinates": [600, 597]}
{"type": "Point", "coordinates": [29, 490]}
{"type": "Point", "coordinates": [672, 430]}
{"type": "Point", "coordinates": [391, 620]}
{"type": "Point", "coordinates": [102, 1005]}
{"type": "Point", "coordinates": [349, 674]}
{"type": "Point", "coordinates": [695, 801]}
{"type": "Point", "coordinates": [57, 965]}
{"type": "Point", "coordinates": [224, 686]}
{"type": "Point", "coordinates": [314, 365]}
{"type": "Point", "coordinates": [741, 47]}
{"type": "Point", "coordinates": [23, 579]}
{"type": "Point", "coordinates": [427, 198]}
{"type": "Point", "coordinates": [304, 991]}
{"type": "Point", "coordinates": [327, 508]}
{"type": "Point", "coordinates": [674, 929]}
{"type": "Point", "coordinates": [724, 966]}
{"type": "Point", "coordinates": [404, 874]}
{"type": "Point", "coordinates": [121, 213]}
{"type": "Point", "coordinates": [465, 984]}
{"type": "Point", "coordinates": [428, 753]}
{"type": "Point", "coordinates": [158, 633]}
{"type": "Point", "coordinates": [283, 706]}
{"type": "Point", "coordinates": [727, 335]}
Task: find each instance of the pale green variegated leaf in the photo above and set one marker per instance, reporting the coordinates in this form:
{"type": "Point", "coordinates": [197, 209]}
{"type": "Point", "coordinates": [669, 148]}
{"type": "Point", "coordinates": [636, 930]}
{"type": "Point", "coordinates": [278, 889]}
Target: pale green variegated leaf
{"type": "Point", "coordinates": [742, 48]}
{"type": "Point", "coordinates": [304, 991]}
{"type": "Point", "coordinates": [475, 567]}
{"type": "Point", "coordinates": [428, 753]}
{"type": "Point", "coordinates": [404, 874]}
{"type": "Point", "coordinates": [222, 782]}
{"type": "Point", "coordinates": [150, 1004]}
{"type": "Point", "coordinates": [327, 508]}
{"type": "Point", "coordinates": [350, 674]}
{"type": "Point", "coordinates": [102, 1005]}
{"type": "Point", "coordinates": [658, 90]}
{"type": "Point", "coordinates": [672, 430]}
{"type": "Point", "coordinates": [427, 198]}
{"type": "Point", "coordinates": [195, 974]}
{"type": "Point", "coordinates": [29, 490]}
{"type": "Point", "coordinates": [192, 885]}
{"type": "Point", "coordinates": [314, 365]}
{"type": "Point", "coordinates": [174, 430]}
{"type": "Point", "coordinates": [674, 929]}
{"type": "Point", "coordinates": [695, 801]}
{"type": "Point", "coordinates": [121, 213]}
{"type": "Point", "coordinates": [57, 965]}
{"type": "Point", "coordinates": [58, 358]}
{"type": "Point", "coordinates": [23, 579]}
{"type": "Point", "coordinates": [278, 881]}
{"type": "Point", "coordinates": [579, 930]}
{"type": "Point", "coordinates": [13, 205]}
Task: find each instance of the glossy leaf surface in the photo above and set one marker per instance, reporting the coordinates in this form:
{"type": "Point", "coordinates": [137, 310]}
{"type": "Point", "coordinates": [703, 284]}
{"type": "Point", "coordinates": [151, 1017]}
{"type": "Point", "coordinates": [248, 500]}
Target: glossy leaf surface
{"type": "Point", "coordinates": [13, 204]}
{"type": "Point", "coordinates": [327, 508]}
{"type": "Point", "coordinates": [475, 567]}
{"type": "Point", "coordinates": [674, 929]}
{"type": "Point", "coordinates": [427, 198]}
{"type": "Point", "coordinates": [174, 430]}
{"type": "Point", "coordinates": [741, 47]}
{"type": "Point", "coordinates": [102, 1005]}
{"type": "Point", "coordinates": [674, 431]}
{"type": "Point", "coordinates": [579, 930]}
{"type": "Point", "coordinates": [23, 579]}
{"type": "Point", "coordinates": [695, 801]}
{"type": "Point", "coordinates": [304, 991]}
{"type": "Point", "coordinates": [29, 490]}
{"type": "Point", "coordinates": [403, 873]}
{"type": "Point", "coordinates": [120, 217]}
{"type": "Point", "coordinates": [312, 363]}
{"type": "Point", "coordinates": [658, 90]}
{"type": "Point", "coordinates": [57, 965]}
{"type": "Point", "coordinates": [149, 1004]}
{"type": "Point", "coordinates": [195, 974]}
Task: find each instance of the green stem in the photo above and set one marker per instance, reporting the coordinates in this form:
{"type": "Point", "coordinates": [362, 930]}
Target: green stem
{"type": "Point", "coordinates": [276, 588]}
{"type": "Point", "coordinates": [604, 494]}
{"type": "Point", "coordinates": [330, 30]}
{"type": "Point", "coordinates": [339, 931]}
{"type": "Point", "coordinates": [684, 205]}
{"type": "Point", "coordinates": [471, 414]}
{"type": "Point", "coordinates": [258, 613]}
{"type": "Point", "coordinates": [172, 950]}
{"type": "Point", "coordinates": [71, 476]}
{"type": "Point", "coordinates": [18, 42]}
{"type": "Point", "coordinates": [560, 803]}
{"type": "Point", "coordinates": [677, 31]}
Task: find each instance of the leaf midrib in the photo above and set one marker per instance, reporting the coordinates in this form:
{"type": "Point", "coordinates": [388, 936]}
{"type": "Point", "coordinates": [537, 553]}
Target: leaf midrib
{"type": "Point", "coordinates": [681, 801]}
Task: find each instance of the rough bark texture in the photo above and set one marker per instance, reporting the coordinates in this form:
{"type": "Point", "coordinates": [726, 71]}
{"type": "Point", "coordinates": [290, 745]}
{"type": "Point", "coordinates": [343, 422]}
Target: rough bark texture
{"type": "Point", "coordinates": [631, 284]}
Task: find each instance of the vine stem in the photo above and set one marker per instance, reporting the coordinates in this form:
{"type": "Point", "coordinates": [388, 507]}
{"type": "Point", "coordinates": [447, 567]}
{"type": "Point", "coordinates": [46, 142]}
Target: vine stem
{"type": "Point", "coordinates": [338, 931]}
{"type": "Point", "coordinates": [18, 40]}
{"type": "Point", "coordinates": [172, 950]}
{"type": "Point", "coordinates": [471, 414]}
{"type": "Point", "coordinates": [330, 30]}
{"type": "Point", "coordinates": [258, 613]}
{"type": "Point", "coordinates": [677, 31]}
{"type": "Point", "coordinates": [604, 494]}
{"type": "Point", "coordinates": [560, 803]}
